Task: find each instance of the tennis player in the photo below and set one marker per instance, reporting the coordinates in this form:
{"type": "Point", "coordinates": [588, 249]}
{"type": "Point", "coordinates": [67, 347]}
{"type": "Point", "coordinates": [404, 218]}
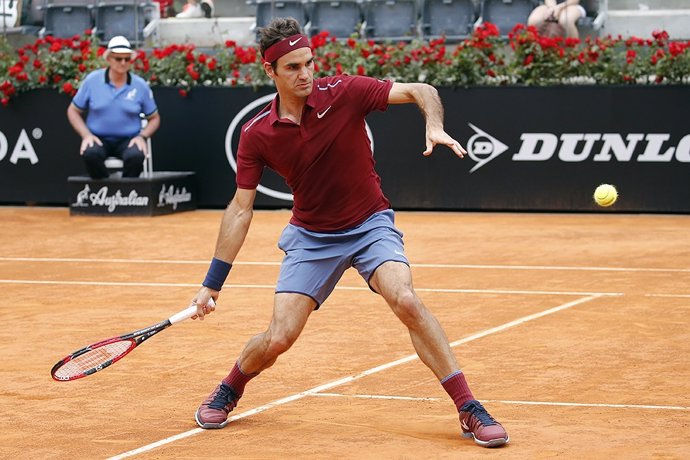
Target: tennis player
{"type": "Point", "coordinates": [313, 134]}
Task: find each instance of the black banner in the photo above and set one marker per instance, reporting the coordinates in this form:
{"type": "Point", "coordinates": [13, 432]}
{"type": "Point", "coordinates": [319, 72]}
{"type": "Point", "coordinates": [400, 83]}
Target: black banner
{"type": "Point", "coordinates": [542, 149]}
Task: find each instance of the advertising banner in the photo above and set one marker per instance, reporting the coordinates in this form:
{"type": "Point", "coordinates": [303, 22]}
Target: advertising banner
{"type": "Point", "coordinates": [533, 149]}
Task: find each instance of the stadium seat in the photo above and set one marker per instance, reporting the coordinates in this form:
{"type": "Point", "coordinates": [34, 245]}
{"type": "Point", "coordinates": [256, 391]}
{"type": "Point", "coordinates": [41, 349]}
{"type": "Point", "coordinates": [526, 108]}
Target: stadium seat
{"type": "Point", "coordinates": [36, 13]}
{"type": "Point", "coordinates": [341, 18]}
{"type": "Point", "coordinates": [115, 164]}
{"type": "Point", "coordinates": [66, 18]}
{"type": "Point", "coordinates": [266, 10]}
{"type": "Point", "coordinates": [124, 17]}
{"type": "Point", "coordinates": [595, 19]}
{"type": "Point", "coordinates": [233, 8]}
{"type": "Point", "coordinates": [453, 19]}
{"type": "Point", "coordinates": [505, 14]}
{"type": "Point", "coordinates": [390, 20]}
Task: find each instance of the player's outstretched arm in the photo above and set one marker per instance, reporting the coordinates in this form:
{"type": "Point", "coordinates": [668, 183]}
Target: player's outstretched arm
{"type": "Point", "coordinates": [233, 230]}
{"type": "Point", "coordinates": [426, 97]}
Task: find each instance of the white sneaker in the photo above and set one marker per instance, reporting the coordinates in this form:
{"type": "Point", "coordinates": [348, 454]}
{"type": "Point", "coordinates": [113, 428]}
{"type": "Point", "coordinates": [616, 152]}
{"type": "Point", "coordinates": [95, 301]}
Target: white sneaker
{"type": "Point", "coordinates": [207, 8]}
{"type": "Point", "coordinates": [191, 11]}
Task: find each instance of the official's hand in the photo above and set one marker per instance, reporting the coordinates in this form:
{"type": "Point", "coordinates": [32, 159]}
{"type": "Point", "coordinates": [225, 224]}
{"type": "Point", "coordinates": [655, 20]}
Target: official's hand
{"type": "Point", "coordinates": [140, 142]}
{"type": "Point", "coordinates": [88, 141]}
{"type": "Point", "coordinates": [434, 138]}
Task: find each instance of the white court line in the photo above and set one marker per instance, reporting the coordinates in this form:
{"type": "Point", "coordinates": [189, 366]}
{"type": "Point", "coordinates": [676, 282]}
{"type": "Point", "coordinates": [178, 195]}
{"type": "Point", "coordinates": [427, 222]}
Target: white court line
{"type": "Point", "coordinates": [502, 401]}
{"type": "Point", "coordinates": [259, 263]}
{"type": "Point", "coordinates": [352, 378]}
{"type": "Point", "coordinates": [272, 286]}
{"type": "Point", "coordinates": [682, 296]}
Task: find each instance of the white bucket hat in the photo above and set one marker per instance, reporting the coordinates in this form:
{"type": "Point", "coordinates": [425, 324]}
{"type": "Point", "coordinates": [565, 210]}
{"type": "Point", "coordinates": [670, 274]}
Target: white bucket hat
{"type": "Point", "coordinates": [120, 45]}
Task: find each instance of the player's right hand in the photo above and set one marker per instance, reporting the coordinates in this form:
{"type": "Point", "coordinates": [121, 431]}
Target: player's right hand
{"type": "Point", "coordinates": [205, 301]}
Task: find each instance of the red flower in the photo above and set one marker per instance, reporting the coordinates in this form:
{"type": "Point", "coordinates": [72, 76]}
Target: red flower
{"type": "Point", "coordinates": [183, 92]}
{"type": "Point", "coordinates": [4, 101]}
{"type": "Point", "coordinates": [192, 73]}
{"type": "Point", "coordinates": [230, 44]}
{"type": "Point", "coordinates": [68, 88]}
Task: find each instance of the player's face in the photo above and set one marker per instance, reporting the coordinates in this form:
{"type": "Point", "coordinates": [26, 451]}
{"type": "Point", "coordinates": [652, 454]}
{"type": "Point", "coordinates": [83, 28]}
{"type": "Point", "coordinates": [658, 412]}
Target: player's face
{"type": "Point", "coordinates": [294, 73]}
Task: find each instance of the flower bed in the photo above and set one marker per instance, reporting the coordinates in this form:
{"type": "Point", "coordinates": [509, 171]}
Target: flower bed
{"type": "Point", "coordinates": [525, 58]}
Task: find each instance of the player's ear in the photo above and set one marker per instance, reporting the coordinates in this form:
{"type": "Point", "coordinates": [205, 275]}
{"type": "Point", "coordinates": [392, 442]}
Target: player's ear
{"type": "Point", "coordinates": [268, 68]}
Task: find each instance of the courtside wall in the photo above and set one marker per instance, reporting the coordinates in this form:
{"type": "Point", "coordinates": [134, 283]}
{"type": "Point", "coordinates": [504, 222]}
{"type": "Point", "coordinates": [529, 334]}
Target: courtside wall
{"type": "Point", "coordinates": [531, 149]}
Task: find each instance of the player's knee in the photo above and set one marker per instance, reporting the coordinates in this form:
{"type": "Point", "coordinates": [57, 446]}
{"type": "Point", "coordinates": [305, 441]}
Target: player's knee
{"type": "Point", "coordinates": [409, 308]}
{"type": "Point", "coordinates": [279, 344]}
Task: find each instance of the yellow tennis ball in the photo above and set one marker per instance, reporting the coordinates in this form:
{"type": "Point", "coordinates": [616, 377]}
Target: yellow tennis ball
{"type": "Point", "coordinates": [605, 195]}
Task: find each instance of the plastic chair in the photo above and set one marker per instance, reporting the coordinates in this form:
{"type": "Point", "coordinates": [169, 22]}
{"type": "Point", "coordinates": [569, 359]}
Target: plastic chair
{"type": "Point", "coordinates": [593, 23]}
{"type": "Point", "coordinates": [266, 10]}
{"type": "Point", "coordinates": [453, 19]}
{"type": "Point", "coordinates": [341, 18]}
{"type": "Point", "coordinates": [115, 164]}
{"type": "Point", "coordinates": [505, 14]}
{"type": "Point", "coordinates": [124, 17]}
{"type": "Point", "coordinates": [390, 20]}
{"type": "Point", "coordinates": [66, 18]}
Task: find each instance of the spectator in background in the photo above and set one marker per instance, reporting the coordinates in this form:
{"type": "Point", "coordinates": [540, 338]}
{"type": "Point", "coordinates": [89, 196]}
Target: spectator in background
{"type": "Point", "coordinates": [113, 99]}
{"type": "Point", "coordinates": [566, 13]}
{"type": "Point", "coordinates": [197, 9]}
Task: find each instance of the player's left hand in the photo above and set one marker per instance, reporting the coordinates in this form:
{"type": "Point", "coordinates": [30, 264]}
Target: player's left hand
{"type": "Point", "coordinates": [442, 138]}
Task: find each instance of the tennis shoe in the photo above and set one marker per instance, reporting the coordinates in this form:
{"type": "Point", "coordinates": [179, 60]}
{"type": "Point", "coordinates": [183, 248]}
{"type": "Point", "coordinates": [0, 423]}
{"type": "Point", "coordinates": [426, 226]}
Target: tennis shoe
{"type": "Point", "coordinates": [213, 413]}
{"type": "Point", "coordinates": [207, 8]}
{"type": "Point", "coordinates": [476, 423]}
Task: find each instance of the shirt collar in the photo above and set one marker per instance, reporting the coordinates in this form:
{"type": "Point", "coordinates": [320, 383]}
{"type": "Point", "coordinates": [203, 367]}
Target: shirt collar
{"type": "Point", "coordinates": [274, 117]}
{"type": "Point", "coordinates": [107, 77]}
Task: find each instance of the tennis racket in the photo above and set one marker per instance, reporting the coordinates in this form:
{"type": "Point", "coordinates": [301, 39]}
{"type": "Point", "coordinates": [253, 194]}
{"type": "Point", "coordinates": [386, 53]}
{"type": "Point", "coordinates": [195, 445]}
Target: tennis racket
{"type": "Point", "coordinates": [98, 356]}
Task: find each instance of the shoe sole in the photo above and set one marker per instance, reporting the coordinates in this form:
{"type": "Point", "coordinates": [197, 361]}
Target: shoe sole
{"type": "Point", "coordinates": [498, 442]}
{"type": "Point", "coordinates": [208, 426]}
{"type": "Point", "coordinates": [206, 8]}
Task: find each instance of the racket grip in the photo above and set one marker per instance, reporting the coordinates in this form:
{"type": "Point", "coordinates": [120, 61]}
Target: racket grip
{"type": "Point", "coordinates": [186, 313]}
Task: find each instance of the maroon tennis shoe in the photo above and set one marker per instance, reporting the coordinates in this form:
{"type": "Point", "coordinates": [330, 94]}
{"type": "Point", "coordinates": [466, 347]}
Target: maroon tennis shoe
{"type": "Point", "coordinates": [476, 423]}
{"type": "Point", "coordinates": [213, 413]}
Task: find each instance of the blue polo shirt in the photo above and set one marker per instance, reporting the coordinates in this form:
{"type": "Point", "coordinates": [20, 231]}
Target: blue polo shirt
{"type": "Point", "coordinates": [114, 112]}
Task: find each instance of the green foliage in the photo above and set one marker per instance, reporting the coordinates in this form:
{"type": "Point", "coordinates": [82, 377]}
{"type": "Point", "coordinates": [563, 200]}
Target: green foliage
{"type": "Point", "coordinates": [524, 58]}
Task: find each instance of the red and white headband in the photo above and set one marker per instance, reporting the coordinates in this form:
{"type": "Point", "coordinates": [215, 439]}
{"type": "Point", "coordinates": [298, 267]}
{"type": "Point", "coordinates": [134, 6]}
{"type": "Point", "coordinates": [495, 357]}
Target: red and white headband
{"type": "Point", "coordinates": [286, 45]}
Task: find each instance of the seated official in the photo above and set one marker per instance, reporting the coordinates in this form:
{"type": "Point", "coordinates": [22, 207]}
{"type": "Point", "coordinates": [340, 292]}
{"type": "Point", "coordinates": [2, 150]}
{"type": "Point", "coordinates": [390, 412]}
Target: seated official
{"type": "Point", "coordinates": [112, 100]}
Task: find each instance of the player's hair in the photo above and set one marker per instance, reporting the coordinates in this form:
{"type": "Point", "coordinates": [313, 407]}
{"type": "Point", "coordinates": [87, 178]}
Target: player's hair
{"type": "Point", "coordinates": [277, 30]}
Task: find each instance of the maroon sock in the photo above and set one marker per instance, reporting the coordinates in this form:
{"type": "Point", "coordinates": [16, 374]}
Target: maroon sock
{"type": "Point", "coordinates": [238, 379]}
{"type": "Point", "coordinates": [456, 386]}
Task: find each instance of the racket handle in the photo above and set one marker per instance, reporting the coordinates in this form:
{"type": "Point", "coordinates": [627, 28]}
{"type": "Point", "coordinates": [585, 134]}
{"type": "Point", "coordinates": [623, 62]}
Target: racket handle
{"type": "Point", "coordinates": [186, 313]}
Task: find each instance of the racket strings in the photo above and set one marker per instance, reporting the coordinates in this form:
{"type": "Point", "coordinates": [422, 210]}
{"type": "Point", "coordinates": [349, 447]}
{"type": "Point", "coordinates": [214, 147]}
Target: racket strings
{"type": "Point", "coordinates": [94, 358]}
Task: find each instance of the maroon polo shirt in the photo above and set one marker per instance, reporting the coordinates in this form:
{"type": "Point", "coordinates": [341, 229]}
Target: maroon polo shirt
{"type": "Point", "coordinates": [326, 160]}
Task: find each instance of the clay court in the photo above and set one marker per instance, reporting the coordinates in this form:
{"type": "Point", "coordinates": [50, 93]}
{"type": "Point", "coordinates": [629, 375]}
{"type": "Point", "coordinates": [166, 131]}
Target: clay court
{"type": "Point", "coordinates": [571, 328]}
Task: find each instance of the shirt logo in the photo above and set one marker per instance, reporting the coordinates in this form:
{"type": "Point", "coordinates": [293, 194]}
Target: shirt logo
{"type": "Point", "coordinates": [131, 94]}
{"type": "Point", "coordinates": [320, 115]}
{"type": "Point", "coordinates": [292, 43]}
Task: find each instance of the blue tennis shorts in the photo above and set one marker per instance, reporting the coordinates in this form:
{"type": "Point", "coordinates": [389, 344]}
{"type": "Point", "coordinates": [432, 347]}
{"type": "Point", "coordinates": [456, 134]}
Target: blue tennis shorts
{"type": "Point", "coordinates": [314, 262]}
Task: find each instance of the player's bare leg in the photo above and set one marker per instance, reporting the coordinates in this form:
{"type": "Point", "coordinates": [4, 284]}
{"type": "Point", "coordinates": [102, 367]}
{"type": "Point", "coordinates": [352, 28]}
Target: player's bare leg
{"type": "Point", "coordinates": [393, 280]}
{"type": "Point", "coordinates": [290, 315]}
